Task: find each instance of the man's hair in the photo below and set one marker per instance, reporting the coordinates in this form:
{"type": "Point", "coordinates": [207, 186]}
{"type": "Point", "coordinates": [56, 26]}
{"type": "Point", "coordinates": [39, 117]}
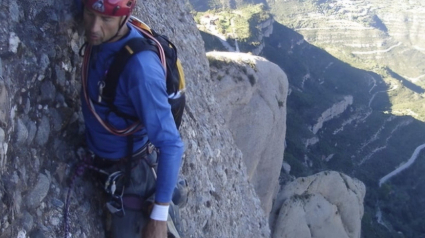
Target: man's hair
{"type": "Point", "coordinates": [111, 7]}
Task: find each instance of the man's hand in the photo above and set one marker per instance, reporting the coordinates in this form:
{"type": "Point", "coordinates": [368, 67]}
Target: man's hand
{"type": "Point", "coordinates": [155, 229]}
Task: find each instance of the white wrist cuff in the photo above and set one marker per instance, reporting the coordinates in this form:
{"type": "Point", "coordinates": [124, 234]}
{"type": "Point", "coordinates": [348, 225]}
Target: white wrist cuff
{"type": "Point", "coordinates": [159, 212]}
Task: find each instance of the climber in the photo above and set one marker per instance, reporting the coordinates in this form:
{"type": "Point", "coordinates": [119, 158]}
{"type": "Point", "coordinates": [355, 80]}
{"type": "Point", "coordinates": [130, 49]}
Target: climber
{"type": "Point", "coordinates": [125, 139]}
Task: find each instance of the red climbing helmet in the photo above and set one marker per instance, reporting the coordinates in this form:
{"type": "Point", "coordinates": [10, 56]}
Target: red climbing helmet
{"type": "Point", "coordinates": [111, 7]}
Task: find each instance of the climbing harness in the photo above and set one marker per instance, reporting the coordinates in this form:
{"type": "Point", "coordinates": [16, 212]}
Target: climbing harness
{"type": "Point", "coordinates": [117, 202]}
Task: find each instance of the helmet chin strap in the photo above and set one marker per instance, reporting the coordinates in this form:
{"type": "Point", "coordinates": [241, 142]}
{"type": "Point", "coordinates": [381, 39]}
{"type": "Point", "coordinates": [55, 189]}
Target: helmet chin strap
{"type": "Point", "coordinates": [119, 29]}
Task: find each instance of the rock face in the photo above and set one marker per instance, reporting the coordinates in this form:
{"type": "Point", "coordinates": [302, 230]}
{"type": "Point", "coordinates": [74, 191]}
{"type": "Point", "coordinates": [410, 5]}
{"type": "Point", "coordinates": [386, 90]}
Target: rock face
{"type": "Point", "coordinates": [41, 129]}
{"type": "Point", "coordinates": [332, 112]}
{"type": "Point", "coordinates": [324, 205]}
{"type": "Point", "coordinates": [252, 93]}
{"type": "Point", "coordinates": [265, 30]}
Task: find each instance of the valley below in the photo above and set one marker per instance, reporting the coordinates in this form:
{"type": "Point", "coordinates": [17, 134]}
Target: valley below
{"type": "Point", "coordinates": [378, 51]}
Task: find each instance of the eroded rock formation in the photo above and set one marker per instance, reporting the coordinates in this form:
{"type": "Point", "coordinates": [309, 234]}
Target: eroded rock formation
{"type": "Point", "coordinates": [324, 205]}
{"type": "Point", "coordinates": [265, 30]}
{"type": "Point", "coordinates": [251, 92]}
{"type": "Point", "coordinates": [332, 112]}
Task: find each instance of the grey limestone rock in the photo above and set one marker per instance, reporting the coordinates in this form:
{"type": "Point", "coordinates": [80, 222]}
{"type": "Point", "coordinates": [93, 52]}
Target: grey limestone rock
{"type": "Point", "coordinates": [14, 42]}
{"type": "Point", "coordinates": [27, 221]}
{"type": "Point", "coordinates": [32, 130]}
{"type": "Point", "coordinates": [43, 131]}
{"type": "Point", "coordinates": [14, 11]}
{"type": "Point", "coordinates": [39, 191]}
{"type": "Point", "coordinates": [56, 119]}
{"type": "Point", "coordinates": [324, 205]}
{"type": "Point", "coordinates": [37, 233]}
{"type": "Point", "coordinates": [21, 132]}
{"type": "Point", "coordinates": [251, 92]}
{"type": "Point", "coordinates": [4, 103]}
{"type": "Point", "coordinates": [57, 203]}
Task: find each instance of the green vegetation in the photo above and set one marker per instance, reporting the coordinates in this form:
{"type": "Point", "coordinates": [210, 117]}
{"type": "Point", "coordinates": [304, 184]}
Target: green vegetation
{"type": "Point", "coordinates": [242, 24]}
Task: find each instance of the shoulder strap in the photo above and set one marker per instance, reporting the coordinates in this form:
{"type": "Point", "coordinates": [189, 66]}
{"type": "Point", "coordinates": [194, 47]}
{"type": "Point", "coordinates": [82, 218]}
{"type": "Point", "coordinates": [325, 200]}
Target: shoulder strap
{"type": "Point", "coordinates": [90, 104]}
{"type": "Point", "coordinates": [131, 48]}
{"type": "Point", "coordinates": [111, 81]}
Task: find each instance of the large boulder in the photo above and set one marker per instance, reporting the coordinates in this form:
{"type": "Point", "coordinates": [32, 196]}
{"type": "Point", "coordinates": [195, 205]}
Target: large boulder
{"type": "Point", "coordinates": [324, 205]}
{"type": "Point", "coordinates": [251, 92]}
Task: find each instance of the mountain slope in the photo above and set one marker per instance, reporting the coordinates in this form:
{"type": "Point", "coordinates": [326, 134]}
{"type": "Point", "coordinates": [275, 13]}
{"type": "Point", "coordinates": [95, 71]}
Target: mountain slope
{"type": "Point", "coordinates": [383, 126]}
{"type": "Point", "coordinates": [384, 37]}
{"type": "Point", "coordinates": [328, 130]}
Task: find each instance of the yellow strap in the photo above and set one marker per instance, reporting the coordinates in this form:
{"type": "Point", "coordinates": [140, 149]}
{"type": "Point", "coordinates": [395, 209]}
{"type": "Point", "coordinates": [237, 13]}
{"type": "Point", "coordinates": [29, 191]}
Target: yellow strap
{"type": "Point", "coordinates": [130, 51]}
{"type": "Point", "coordinates": [182, 84]}
{"type": "Point", "coordinates": [137, 22]}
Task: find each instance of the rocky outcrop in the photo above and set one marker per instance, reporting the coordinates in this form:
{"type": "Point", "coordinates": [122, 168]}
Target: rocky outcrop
{"type": "Point", "coordinates": [265, 29]}
{"type": "Point", "coordinates": [332, 112]}
{"type": "Point", "coordinates": [42, 129]}
{"type": "Point", "coordinates": [251, 92]}
{"type": "Point", "coordinates": [311, 141]}
{"type": "Point", "coordinates": [324, 205]}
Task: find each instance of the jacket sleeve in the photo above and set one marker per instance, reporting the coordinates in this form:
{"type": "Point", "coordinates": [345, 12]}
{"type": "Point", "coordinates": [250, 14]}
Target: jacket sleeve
{"type": "Point", "coordinates": [147, 90]}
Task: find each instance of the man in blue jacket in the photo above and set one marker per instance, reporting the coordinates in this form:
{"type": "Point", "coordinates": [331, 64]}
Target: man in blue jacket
{"type": "Point", "coordinates": [141, 93]}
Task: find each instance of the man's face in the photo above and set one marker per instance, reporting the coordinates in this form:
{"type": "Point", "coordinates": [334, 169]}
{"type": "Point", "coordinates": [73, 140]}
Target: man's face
{"type": "Point", "coordinates": [100, 28]}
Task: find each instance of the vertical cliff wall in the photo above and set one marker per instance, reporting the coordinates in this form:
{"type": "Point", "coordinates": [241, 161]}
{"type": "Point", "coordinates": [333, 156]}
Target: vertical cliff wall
{"type": "Point", "coordinates": [252, 94]}
{"type": "Point", "coordinates": [41, 128]}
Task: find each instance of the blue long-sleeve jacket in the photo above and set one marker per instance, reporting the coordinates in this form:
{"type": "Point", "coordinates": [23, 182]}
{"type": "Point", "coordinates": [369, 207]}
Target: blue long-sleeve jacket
{"type": "Point", "coordinates": [141, 92]}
